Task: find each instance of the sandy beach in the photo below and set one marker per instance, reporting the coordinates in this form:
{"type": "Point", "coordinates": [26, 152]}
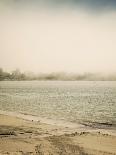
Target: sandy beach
{"type": "Point", "coordinates": [24, 137]}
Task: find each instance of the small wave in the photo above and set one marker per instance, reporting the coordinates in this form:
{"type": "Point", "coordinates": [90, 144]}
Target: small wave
{"type": "Point", "coordinates": [100, 125]}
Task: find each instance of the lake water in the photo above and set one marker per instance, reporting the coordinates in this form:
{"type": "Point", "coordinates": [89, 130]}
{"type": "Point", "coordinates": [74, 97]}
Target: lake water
{"type": "Point", "coordinates": [72, 101]}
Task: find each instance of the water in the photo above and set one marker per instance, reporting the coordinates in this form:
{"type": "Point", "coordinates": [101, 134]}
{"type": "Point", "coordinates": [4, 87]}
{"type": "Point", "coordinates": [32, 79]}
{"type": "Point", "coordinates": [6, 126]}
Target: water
{"type": "Point", "coordinates": [72, 101]}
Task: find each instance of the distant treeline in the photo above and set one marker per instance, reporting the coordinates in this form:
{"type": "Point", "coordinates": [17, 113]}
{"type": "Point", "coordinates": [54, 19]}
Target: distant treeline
{"type": "Point", "coordinates": [20, 76]}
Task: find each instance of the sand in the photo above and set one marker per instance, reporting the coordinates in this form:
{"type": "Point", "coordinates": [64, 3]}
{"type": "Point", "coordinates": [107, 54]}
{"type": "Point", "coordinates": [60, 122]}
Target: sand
{"type": "Point", "coordinates": [25, 137]}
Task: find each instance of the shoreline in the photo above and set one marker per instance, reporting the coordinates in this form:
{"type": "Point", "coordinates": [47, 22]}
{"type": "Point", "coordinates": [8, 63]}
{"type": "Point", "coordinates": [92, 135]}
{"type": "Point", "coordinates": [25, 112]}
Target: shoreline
{"type": "Point", "coordinates": [40, 119]}
{"type": "Point", "coordinates": [21, 136]}
{"type": "Point", "coordinates": [80, 127]}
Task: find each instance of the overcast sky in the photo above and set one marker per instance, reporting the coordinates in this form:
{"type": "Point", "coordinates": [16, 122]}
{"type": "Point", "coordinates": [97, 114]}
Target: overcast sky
{"type": "Point", "coordinates": [58, 35]}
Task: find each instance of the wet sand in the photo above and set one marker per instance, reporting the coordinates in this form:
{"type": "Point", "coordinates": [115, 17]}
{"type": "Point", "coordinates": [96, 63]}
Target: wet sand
{"type": "Point", "coordinates": [24, 137]}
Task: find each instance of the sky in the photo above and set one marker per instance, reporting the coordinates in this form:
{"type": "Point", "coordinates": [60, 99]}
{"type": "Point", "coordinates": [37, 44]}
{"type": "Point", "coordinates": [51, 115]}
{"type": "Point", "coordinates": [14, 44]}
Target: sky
{"type": "Point", "coordinates": [75, 36]}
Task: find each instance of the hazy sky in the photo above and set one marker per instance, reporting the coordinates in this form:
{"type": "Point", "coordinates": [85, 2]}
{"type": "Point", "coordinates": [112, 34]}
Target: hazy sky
{"type": "Point", "coordinates": [58, 35]}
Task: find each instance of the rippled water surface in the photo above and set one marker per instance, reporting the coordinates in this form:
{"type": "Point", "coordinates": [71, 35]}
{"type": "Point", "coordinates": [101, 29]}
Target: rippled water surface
{"type": "Point", "coordinates": [72, 101]}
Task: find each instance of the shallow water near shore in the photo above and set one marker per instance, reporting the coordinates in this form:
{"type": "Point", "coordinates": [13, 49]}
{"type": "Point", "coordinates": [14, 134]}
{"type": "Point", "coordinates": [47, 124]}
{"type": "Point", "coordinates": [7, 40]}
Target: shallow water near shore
{"type": "Point", "coordinates": [92, 103]}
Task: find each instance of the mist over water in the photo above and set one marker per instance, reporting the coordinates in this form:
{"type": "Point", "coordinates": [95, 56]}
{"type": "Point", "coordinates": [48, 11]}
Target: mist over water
{"type": "Point", "coordinates": [17, 75]}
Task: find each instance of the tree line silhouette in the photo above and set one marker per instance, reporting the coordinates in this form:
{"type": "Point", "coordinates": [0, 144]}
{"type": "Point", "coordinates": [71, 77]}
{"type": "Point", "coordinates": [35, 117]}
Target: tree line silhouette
{"type": "Point", "coordinates": [17, 75]}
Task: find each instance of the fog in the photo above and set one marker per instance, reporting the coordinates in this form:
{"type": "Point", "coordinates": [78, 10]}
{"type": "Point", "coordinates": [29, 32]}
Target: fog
{"type": "Point", "coordinates": [45, 37]}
